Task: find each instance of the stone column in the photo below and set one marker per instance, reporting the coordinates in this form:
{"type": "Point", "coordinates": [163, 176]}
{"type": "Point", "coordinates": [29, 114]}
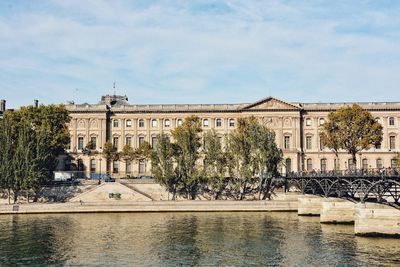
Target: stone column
{"type": "Point", "coordinates": [135, 137]}
{"type": "Point", "coordinates": [148, 130]}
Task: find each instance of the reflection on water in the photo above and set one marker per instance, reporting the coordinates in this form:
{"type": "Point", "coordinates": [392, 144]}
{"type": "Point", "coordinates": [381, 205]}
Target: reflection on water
{"type": "Point", "coordinates": [187, 239]}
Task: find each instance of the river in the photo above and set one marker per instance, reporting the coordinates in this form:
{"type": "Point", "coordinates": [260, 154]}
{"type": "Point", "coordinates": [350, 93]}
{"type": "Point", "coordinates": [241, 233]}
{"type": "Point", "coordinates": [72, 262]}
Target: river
{"type": "Point", "coordinates": [187, 239]}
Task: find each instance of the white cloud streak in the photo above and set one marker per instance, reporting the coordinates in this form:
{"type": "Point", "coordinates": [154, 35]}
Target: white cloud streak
{"type": "Point", "coordinates": [213, 51]}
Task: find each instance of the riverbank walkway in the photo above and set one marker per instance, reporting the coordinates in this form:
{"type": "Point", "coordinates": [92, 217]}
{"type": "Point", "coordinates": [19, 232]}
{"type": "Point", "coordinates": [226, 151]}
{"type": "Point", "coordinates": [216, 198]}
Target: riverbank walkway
{"type": "Point", "coordinates": [153, 206]}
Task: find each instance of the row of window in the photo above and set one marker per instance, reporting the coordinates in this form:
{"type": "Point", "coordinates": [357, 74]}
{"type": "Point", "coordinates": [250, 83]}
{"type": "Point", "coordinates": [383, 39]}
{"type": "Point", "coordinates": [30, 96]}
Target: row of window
{"type": "Point", "coordinates": [350, 164]}
{"type": "Point", "coordinates": [167, 123]}
{"type": "Point", "coordinates": [141, 139]}
{"type": "Point", "coordinates": [392, 121]}
{"type": "Point", "coordinates": [392, 143]}
{"type": "Point", "coordinates": [116, 167]}
{"type": "Point", "coordinates": [321, 121]}
{"type": "Point", "coordinates": [115, 142]}
{"type": "Point", "coordinates": [288, 162]}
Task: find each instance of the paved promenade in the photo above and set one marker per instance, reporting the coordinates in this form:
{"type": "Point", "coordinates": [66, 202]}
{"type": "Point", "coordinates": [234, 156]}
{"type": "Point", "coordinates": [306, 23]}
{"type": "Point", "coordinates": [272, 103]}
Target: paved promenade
{"type": "Point", "coordinates": [153, 206]}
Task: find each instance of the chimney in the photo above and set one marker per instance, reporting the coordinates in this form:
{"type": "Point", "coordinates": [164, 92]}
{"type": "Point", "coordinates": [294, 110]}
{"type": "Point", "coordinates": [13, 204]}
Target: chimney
{"type": "Point", "coordinates": [36, 103]}
{"type": "Point", "coordinates": [2, 105]}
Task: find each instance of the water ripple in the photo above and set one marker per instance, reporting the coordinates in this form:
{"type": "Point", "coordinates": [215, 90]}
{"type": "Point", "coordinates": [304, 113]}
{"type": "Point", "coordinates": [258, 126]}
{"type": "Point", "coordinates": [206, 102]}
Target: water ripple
{"type": "Point", "coordinates": [187, 239]}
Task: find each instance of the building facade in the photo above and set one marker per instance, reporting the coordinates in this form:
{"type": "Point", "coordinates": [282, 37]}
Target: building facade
{"type": "Point", "coordinates": [297, 127]}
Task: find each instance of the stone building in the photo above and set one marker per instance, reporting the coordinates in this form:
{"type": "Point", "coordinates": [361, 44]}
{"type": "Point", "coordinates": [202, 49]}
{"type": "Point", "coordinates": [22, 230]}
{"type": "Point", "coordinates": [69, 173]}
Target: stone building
{"type": "Point", "coordinates": [297, 127]}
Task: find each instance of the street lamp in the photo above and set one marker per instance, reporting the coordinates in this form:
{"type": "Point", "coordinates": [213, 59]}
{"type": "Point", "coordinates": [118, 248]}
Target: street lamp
{"type": "Point", "coordinates": [100, 151]}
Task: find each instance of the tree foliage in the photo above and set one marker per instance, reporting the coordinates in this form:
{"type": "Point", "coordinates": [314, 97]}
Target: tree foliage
{"type": "Point", "coordinates": [30, 141]}
{"type": "Point", "coordinates": [186, 153]}
{"type": "Point", "coordinates": [252, 155]}
{"type": "Point", "coordinates": [352, 129]}
{"type": "Point", "coordinates": [163, 164]}
{"type": "Point", "coordinates": [245, 166]}
{"type": "Point", "coordinates": [214, 164]}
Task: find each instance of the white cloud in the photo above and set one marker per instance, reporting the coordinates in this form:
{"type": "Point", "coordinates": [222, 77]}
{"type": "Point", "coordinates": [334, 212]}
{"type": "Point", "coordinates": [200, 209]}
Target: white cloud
{"type": "Point", "coordinates": [216, 51]}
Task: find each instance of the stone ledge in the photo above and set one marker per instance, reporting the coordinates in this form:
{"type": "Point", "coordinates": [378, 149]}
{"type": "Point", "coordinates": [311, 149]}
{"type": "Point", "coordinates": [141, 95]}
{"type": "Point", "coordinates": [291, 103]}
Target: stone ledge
{"type": "Point", "coordinates": [155, 206]}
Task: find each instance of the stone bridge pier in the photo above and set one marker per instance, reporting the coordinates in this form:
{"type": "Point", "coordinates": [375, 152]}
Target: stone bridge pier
{"type": "Point", "coordinates": [369, 219]}
{"type": "Point", "coordinates": [372, 219]}
{"type": "Point", "coordinates": [336, 210]}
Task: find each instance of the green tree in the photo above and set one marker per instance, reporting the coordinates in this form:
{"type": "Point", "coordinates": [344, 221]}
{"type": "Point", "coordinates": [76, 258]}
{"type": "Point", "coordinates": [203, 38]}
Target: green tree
{"type": "Point", "coordinates": [162, 164]}
{"type": "Point", "coordinates": [128, 153]}
{"type": "Point", "coordinates": [110, 153]}
{"type": "Point", "coordinates": [214, 164]}
{"type": "Point", "coordinates": [352, 129]}
{"type": "Point", "coordinates": [34, 137]}
{"type": "Point", "coordinates": [252, 156]}
{"type": "Point", "coordinates": [21, 160]}
{"type": "Point", "coordinates": [186, 153]}
{"type": "Point", "coordinates": [144, 151]}
{"type": "Point", "coordinates": [49, 121]}
{"type": "Point", "coordinates": [7, 151]}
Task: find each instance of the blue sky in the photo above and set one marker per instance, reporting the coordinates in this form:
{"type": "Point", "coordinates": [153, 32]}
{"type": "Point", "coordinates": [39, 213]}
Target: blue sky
{"type": "Point", "coordinates": [199, 51]}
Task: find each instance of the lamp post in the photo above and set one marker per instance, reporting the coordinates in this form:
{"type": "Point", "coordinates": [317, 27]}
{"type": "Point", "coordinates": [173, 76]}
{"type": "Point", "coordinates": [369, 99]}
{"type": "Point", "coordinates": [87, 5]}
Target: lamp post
{"type": "Point", "coordinates": [100, 151]}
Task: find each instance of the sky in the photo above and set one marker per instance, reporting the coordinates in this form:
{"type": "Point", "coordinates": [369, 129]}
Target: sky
{"type": "Point", "coordinates": [199, 51]}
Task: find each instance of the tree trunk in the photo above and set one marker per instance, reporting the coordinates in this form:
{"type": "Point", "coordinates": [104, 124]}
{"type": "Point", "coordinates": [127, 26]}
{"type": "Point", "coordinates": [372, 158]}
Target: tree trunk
{"type": "Point", "coordinates": [260, 188]}
{"type": "Point", "coordinates": [354, 159]}
{"type": "Point", "coordinates": [15, 196]}
{"type": "Point", "coordinates": [9, 196]}
{"type": "Point", "coordinates": [267, 188]}
{"type": "Point", "coordinates": [243, 191]}
{"type": "Point", "coordinates": [174, 192]}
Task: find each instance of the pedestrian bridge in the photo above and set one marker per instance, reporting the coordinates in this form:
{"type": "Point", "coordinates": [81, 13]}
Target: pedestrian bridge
{"type": "Point", "coordinates": [373, 185]}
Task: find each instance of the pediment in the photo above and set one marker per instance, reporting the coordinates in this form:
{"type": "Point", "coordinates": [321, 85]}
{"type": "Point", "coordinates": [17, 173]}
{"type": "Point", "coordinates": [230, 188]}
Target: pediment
{"type": "Point", "coordinates": [271, 103]}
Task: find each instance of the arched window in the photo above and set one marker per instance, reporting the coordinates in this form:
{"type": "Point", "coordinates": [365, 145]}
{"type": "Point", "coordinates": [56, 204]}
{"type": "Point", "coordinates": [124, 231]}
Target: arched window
{"type": "Point", "coordinates": [141, 123]}
{"type": "Point", "coordinates": [308, 122]}
{"type": "Point", "coordinates": [179, 122]}
{"type": "Point", "coordinates": [116, 123]}
{"type": "Point", "coordinates": [288, 162]}
{"type": "Point", "coordinates": [167, 123]}
{"type": "Point", "coordinates": [128, 123]}
{"type": "Point", "coordinates": [391, 121]}
{"type": "Point", "coordinates": [309, 164]}
{"type": "Point", "coordinates": [205, 123]}
{"type": "Point", "coordinates": [321, 121]}
{"type": "Point", "coordinates": [231, 123]}
{"type": "Point", "coordinates": [154, 123]}
{"type": "Point", "coordinates": [218, 123]}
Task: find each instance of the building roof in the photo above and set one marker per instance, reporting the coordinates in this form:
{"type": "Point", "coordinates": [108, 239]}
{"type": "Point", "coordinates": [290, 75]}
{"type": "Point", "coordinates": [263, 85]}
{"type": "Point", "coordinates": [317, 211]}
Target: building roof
{"type": "Point", "coordinates": [117, 103]}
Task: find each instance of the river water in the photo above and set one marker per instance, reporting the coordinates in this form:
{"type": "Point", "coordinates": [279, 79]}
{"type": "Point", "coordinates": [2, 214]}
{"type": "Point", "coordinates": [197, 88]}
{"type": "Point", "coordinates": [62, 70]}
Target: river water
{"type": "Point", "coordinates": [187, 239]}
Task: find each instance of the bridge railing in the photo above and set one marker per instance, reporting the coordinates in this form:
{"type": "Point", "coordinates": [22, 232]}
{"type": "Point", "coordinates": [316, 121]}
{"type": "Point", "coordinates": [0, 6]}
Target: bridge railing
{"type": "Point", "coordinates": [387, 172]}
